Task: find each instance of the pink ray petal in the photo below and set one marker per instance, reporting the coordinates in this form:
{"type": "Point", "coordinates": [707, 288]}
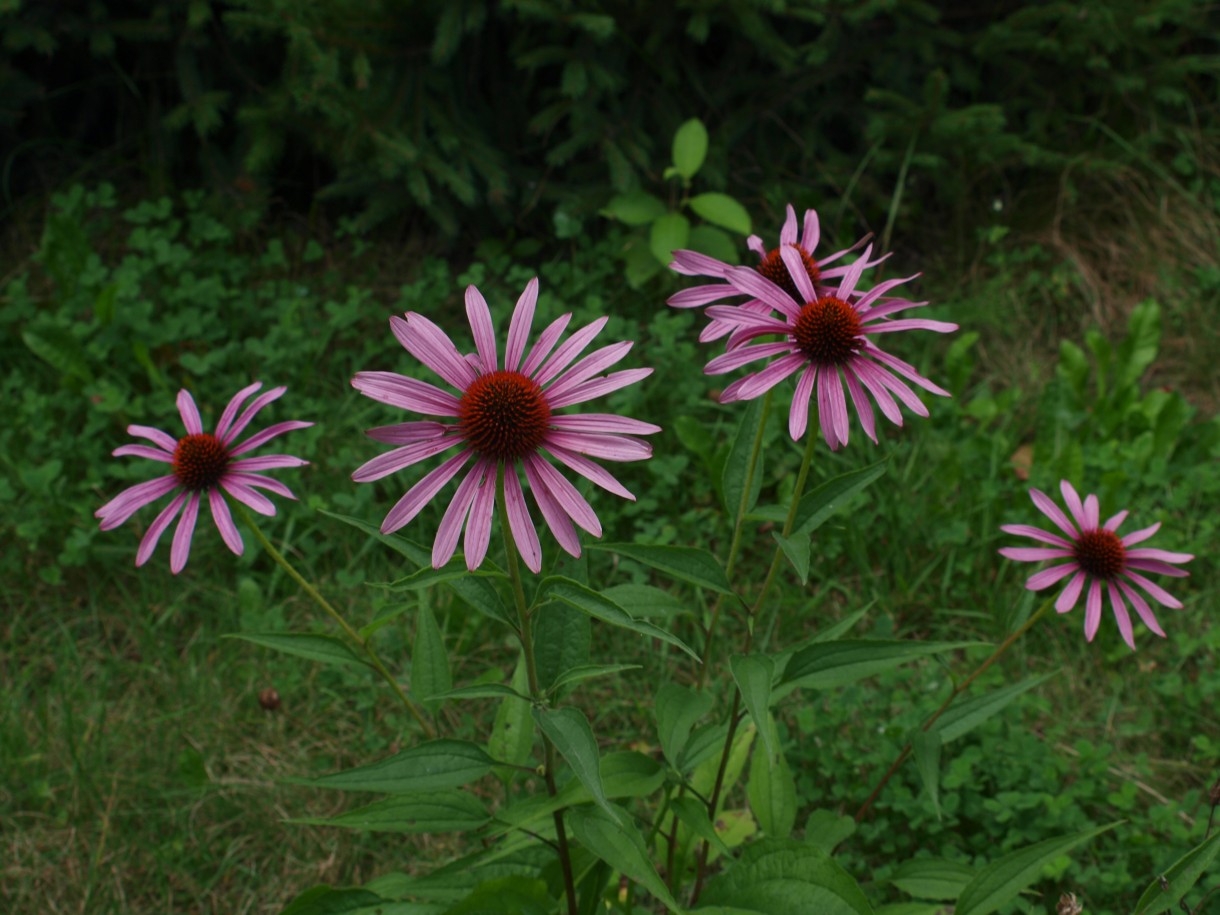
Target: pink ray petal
{"type": "Point", "coordinates": [1052, 511]}
{"type": "Point", "coordinates": [812, 234]}
{"type": "Point", "coordinates": [181, 547]}
{"type": "Point", "coordinates": [478, 526]}
{"type": "Point", "coordinates": [243, 493]}
{"type": "Point", "coordinates": [132, 499]}
{"type": "Point", "coordinates": [1159, 594]}
{"type": "Point", "coordinates": [555, 517]}
{"type": "Point", "coordinates": [603, 422]}
{"type": "Point", "coordinates": [1113, 523]}
{"type": "Point", "coordinates": [224, 521]}
{"type": "Point", "coordinates": [568, 496]}
{"type": "Point", "coordinates": [148, 543]}
{"type": "Point", "coordinates": [838, 403]}
{"type": "Point", "coordinates": [482, 329]}
{"type": "Point", "coordinates": [1092, 610]}
{"type": "Point", "coordinates": [525, 537]}
{"type": "Point", "coordinates": [406, 393]}
{"type": "Point", "coordinates": [432, 346]}
{"type": "Point", "coordinates": [1068, 597]}
{"type": "Point", "coordinates": [144, 451]}
{"type": "Point", "coordinates": [250, 411]}
{"type": "Point", "coordinates": [267, 462]}
{"type": "Point", "coordinates": [607, 447]}
{"type": "Point", "coordinates": [597, 361]}
{"type": "Point", "coordinates": [752, 283]}
{"type": "Point", "coordinates": [1036, 533]}
{"type": "Point", "coordinates": [393, 461]}
{"type": "Point", "coordinates": [787, 235]}
{"type": "Point", "coordinates": [230, 411]}
{"type": "Point", "coordinates": [588, 469]}
{"type": "Point", "coordinates": [1092, 512]}
{"type": "Point", "coordinates": [905, 369]}
{"type": "Point", "coordinates": [266, 435]}
{"type": "Point", "coordinates": [867, 373]}
{"type": "Point", "coordinates": [1157, 567]}
{"type": "Point", "coordinates": [544, 344]}
{"type": "Point", "coordinates": [189, 413]}
{"type": "Point", "coordinates": [890, 327]}
{"type": "Point", "coordinates": [798, 414]}
{"type": "Point", "coordinates": [1047, 577]}
{"type": "Point", "coordinates": [885, 306]}
{"type": "Point", "coordinates": [419, 495]}
{"type": "Point", "coordinates": [1141, 535]}
{"type": "Point", "coordinates": [1121, 616]}
{"type": "Point", "coordinates": [698, 296]}
{"type": "Point", "coordinates": [257, 480]}
{"type": "Point", "coordinates": [692, 263]}
{"type": "Point", "coordinates": [864, 409]}
{"type": "Point", "coordinates": [848, 285]}
{"type": "Point", "coordinates": [1141, 607]}
{"type": "Point", "coordinates": [408, 433]}
{"type": "Point", "coordinates": [897, 387]}
{"type": "Point", "coordinates": [596, 387]}
{"type": "Point", "coordinates": [454, 518]}
{"type": "Point", "coordinates": [791, 257]}
{"type": "Point", "coordinates": [764, 380]}
{"type": "Point", "coordinates": [519, 326]}
{"type": "Point", "coordinates": [740, 316]}
{"type": "Point", "coordinates": [569, 350]}
{"type": "Point", "coordinates": [735, 359]}
{"type": "Point", "coordinates": [163, 439]}
{"type": "Point", "coordinates": [1072, 499]}
{"type": "Point", "coordinates": [1162, 555]}
{"type": "Point", "coordinates": [755, 244]}
{"type": "Point", "coordinates": [1033, 553]}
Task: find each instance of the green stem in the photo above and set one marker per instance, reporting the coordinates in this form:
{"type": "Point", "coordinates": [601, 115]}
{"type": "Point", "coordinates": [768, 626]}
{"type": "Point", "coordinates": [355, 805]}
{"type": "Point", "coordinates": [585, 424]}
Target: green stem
{"type": "Point", "coordinates": [365, 645]}
{"type": "Point", "coordinates": [531, 669]}
{"type": "Point", "coordinates": [960, 688]}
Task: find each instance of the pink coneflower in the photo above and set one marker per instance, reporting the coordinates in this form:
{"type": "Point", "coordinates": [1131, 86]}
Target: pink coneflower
{"type": "Point", "coordinates": [771, 265]}
{"type": "Point", "coordinates": [823, 333]}
{"type": "Point", "coordinates": [202, 463]}
{"type": "Point", "coordinates": [1096, 555]}
{"type": "Point", "coordinates": [504, 418]}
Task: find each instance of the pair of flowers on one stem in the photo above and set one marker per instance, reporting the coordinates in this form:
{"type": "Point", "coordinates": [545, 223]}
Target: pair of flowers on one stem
{"type": "Point", "coordinates": [502, 420]}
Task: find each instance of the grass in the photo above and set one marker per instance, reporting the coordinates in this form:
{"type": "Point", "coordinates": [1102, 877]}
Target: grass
{"type": "Point", "coordinates": [143, 774]}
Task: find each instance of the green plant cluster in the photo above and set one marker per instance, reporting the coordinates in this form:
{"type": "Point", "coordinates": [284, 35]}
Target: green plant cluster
{"type": "Point", "coordinates": [534, 112]}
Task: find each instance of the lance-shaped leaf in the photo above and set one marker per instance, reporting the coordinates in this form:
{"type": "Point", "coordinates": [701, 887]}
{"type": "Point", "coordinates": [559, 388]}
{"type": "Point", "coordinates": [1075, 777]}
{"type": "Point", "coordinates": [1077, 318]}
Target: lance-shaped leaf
{"type": "Point", "coordinates": [693, 815]}
{"type": "Point", "coordinates": [963, 717]}
{"type": "Point", "coordinates": [926, 745]}
{"type": "Point", "coordinates": [826, 665]}
{"type": "Point", "coordinates": [325, 649]}
{"type": "Point", "coordinates": [677, 709]}
{"type": "Point", "coordinates": [733, 478]}
{"type": "Point", "coordinates": [512, 733]}
{"type": "Point", "coordinates": [430, 766]}
{"type": "Point", "coordinates": [685, 563]}
{"type": "Point", "coordinates": [602, 608]}
{"type": "Point", "coordinates": [576, 675]}
{"type": "Point", "coordinates": [437, 811]}
{"type": "Point", "coordinates": [821, 502]}
{"type": "Point", "coordinates": [569, 731]}
{"type": "Point", "coordinates": [430, 675]}
{"type": "Point", "coordinates": [797, 549]}
{"type": "Point", "coordinates": [753, 674]}
{"type": "Point", "coordinates": [1179, 879]}
{"type": "Point", "coordinates": [613, 837]}
{"type": "Point", "coordinates": [932, 878]}
{"type": "Point", "coordinates": [771, 787]}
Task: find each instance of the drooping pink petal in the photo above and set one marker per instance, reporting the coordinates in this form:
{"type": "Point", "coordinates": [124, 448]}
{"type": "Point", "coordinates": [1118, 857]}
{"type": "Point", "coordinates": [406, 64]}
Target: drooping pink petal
{"type": "Point", "coordinates": [132, 499]}
{"type": "Point", "coordinates": [148, 542]}
{"type": "Point", "coordinates": [525, 537]}
{"type": "Point", "coordinates": [1036, 533]}
{"type": "Point", "coordinates": [607, 447]}
{"type": "Point", "coordinates": [189, 413]}
{"type": "Point", "coordinates": [1068, 597]}
{"type": "Point", "coordinates": [162, 439]}
{"type": "Point", "coordinates": [266, 435]}
{"type": "Point", "coordinates": [828, 379]}
{"type": "Point", "coordinates": [860, 401]}
{"type": "Point", "coordinates": [257, 480]}
{"type": "Point", "coordinates": [224, 521]}
{"type": "Point", "coordinates": [698, 296]}
{"type": "Point", "coordinates": [230, 411]}
{"type": "Point", "coordinates": [454, 518]}
{"type": "Point", "coordinates": [897, 387]}
{"type": "Point", "coordinates": [905, 369]}
{"type": "Point", "coordinates": [1162, 555]}
{"type": "Point", "coordinates": [556, 518]}
{"type": "Point", "coordinates": [519, 327]}
{"type": "Point", "coordinates": [872, 312]}
{"type": "Point", "coordinates": [568, 496]}
{"type": "Point", "coordinates": [1092, 610]}
{"type": "Point", "coordinates": [1141, 535]}
{"type": "Point", "coordinates": [257, 404]}
{"type": "Point", "coordinates": [243, 493]}
{"type": "Point", "coordinates": [1052, 511]}
{"type": "Point", "coordinates": [798, 415]}
{"type": "Point", "coordinates": [752, 283]}
{"type": "Point", "coordinates": [481, 328]}
{"type": "Point", "coordinates": [406, 393]}
{"type": "Point", "coordinates": [181, 547]}
{"type": "Point", "coordinates": [432, 346]}
{"type": "Point", "coordinates": [144, 451]}
{"type": "Point", "coordinates": [394, 461]}
{"type": "Point", "coordinates": [478, 526]}
{"type": "Point", "coordinates": [890, 327]}
{"type": "Point", "coordinates": [692, 263]}
{"type": "Point", "coordinates": [735, 359]}
{"type": "Point", "coordinates": [419, 495]}
{"type": "Point", "coordinates": [407, 433]}
{"type": "Point", "coordinates": [1121, 616]}
{"type": "Point", "coordinates": [1047, 577]}
{"type": "Point", "coordinates": [765, 379]}
{"type": "Point", "coordinates": [741, 316]}
{"type": "Point", "coordinates": [1160, 568]}
{"type": "Point", "coordinates": [1141, 607]}
{"type": "Point", "coordinates": [1159, 594]}
{"type": "Point", "coordinates": [867, 373]}
{"type": "Point", "coordinates": [595, 473]}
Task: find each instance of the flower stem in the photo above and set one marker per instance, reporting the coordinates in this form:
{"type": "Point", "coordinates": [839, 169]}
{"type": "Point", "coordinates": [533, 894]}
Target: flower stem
{"type": "Point", "coordinates": [351, 633]}
{"type": "Point", "coordinates": [957, 691]}
{"type": "Point", "coordinates": [531, 668]}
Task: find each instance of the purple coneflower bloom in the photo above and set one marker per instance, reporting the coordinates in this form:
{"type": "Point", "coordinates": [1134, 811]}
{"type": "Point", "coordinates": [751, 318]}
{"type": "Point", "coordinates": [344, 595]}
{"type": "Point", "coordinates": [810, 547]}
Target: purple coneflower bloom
{"type": "Point", "coordinates": [502, 417]}
{"type": "Point", "coordinates": [822, 333]}
{"type": "Point", "coordinates": [203, 462]}
{"type": "Point", "coordinates": [1096, 555]}
{"type": "Point", "coordinates": [771, 265]}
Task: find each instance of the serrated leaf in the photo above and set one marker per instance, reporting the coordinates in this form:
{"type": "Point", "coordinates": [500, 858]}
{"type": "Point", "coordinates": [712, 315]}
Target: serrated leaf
{"type": "Point", "coordinates": [601, 607]}
{"type": "Point", "coordinates": [737, 463]}
{"type": "Point", "coordinates": [588, 672]}
{"type": "Point", "coordinates": [926, 746]}
{"type": "Point", "coordinates": [722, 210]}
{"type": "Point", "coordinates": [1182, 875]}
{"type": "Point", "coordinates": [430, 766]}
{"type": "Point", "coordinates": [569, 731]}
{"type": "Point", "coordinates": [963, 717]}
{"type": "Point", "coordinates": [429, 663]}
{"type": "Point", "coordinates": [325, 649]}
{"type": "Point", "coordinates": [437, 811]}
{"type": "Point", "coordinates": [1002, 881]}
{"type": "Point", "coordinates": [797, 549]}
{"type": "Point", "coordinates": [668, 233]}
{"type": "Point", "coordinates": [932, 878]}
{"type": "Point", "coordinates": [636, 208]}
{"type": "Point", "coordinates": [685, 563]}
{"type": "Point", "coordinates": [690, 148]}
{"type": "Point", "coordinates": [826, 665]}
{"type": "Point", "coordinates": [771, 788]}
{"type": "Point", "coordinates": [677, 710]}
{"type": "Point", "coordinates": [783, 877]}
{"type": "Point", "coordinates": [613, 837]}
{"type": "Point", "coordinates": [753, 675]}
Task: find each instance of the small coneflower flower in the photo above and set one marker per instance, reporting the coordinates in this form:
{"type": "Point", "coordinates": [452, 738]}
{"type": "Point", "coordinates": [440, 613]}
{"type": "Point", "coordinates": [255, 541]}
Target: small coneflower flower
{"type": "Point", "coordinates": [1095, 555]}
{"type": "Point", "coordinates": [504, 418]}
{"type": "Point", "coordinates": [825, 338]}
{"type": "Point", "coordinates": [203, 463]}
{"type": "Point", "coordinates": [771, 265]}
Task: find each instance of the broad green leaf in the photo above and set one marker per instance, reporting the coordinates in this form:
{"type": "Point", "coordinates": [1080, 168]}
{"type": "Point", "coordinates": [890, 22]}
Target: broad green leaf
{"type": "Point", "coordinates": [714, 243]}
{"type": "Point", "coordinates": [1001, 881]}
{"type": "Point", "coordinates": [483, 691]}
{"type": "Point", "coordinates": [429, 663]}
{"type": "Point", "coordinates": [722, 210]}
{"type": "Point", "coordinates": [599, 606]}
{"type": "Point", "coordinates": [563, 638]}
{"type": "Point", "coordinates": [827, 498]}
{"type": "Point", "coordinates": [1182, 875]}
{"type": "Point", "coordinates": [645, 601]}
{"type": "Point", "coordinates": [613, 837]}
{"type": "Point", "coordinates": [737, 463]}
{"type": "Point", "coordinates": [639, 265]}
{"type": "Point", "coordinates": [677, 709]}
{"type": "Point", "coordinates": [704, 774]}
{"type": "Point", "coordinates": [693, 815]}
{"type": "Point", "coordinates": [430, 766]}
{"type": "Point", "coordinates": [512, 895]}
{"type": "Point", "coordinates": [512, 733]}
{"type": "Point", "coordinates": [436, 811]}
{"type": "Point", "coordinates": [588, 672]}
{"type": "Point", "coordinates": [825, 665]}
{"type": "Point", "coordinates": [926, 745]}
{"type": "Point", "coordinates": [753, 674]}
{"type": "Point", "coordinates": [636, 208]}
{"type": "Point", "coordinates": [912, 908]}
{"type": "Point", "coordinates": [324, 648]}
{"type": "Point", "coordinates": [771, 788]}
{"type": "Point", "coordinates": [690, 148]}
{"type": "Point", "coordinates": [705, 740]}
{"type": "Point", "coordinates": [569, 731]}
{"type": "Point", "coordinates": [963, 717]}
{"type": "Point", "coordinates": [826, 830]}
{"type": "Point", "coordinates": [932, 878]}
{"type": "Point", "coordinates": [669, 233]}
{"type": "Point", "coordinates": [797, 549]}
{"type": "Point", "coordinates": [685, 563]}
{"type": "Point", "coordinates": [784, 877]}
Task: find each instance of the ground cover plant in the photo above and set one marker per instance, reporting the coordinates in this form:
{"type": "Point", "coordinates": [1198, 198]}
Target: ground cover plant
{"type": "Point", "coordinates": [983, 800]}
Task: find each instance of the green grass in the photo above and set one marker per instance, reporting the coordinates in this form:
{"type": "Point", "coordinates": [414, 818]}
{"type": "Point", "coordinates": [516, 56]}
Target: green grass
{"type": "Point", "coordinates": [141, 773]}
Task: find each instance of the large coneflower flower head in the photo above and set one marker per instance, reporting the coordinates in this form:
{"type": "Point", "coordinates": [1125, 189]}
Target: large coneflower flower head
{"type": "Point", "coordinates": [203, 463]}
{"type": "Point", "coordinates": [503, 419]}
{"type": "Point", "coordinates": [1093, 555]}
{"type": "Point", "coordinates": [826, 339]}
{"type": "Point", "coordinates": [771, 265]}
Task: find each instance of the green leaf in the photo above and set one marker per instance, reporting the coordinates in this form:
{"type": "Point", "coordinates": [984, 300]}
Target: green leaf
{"type": "Point", "coordinates": [512, 733]}
{"type": "Point", "coordinates": [324, 648]}
{"type": "Point", "coordinates": [606, 610]}
{"type": "Point", "coordinates": [714, 243]}
{"type": "Point", "coordinates": [588, 672]}
{"type": "Point", "coordinates": [932, 878]}
{"type": "Point", "coordinates": [1000, 882]}
{"type": "Point", "coordinates": [437, 811]}
{"type": "Point", "coordinates": [753, 674]}
{"type": "Point", "coordinates": [482, 691]}
{"type": "Point", "coordinates": [569, 731]}
{"type": "Point", "coordinates": [1138, 349]}
{"type": "Point", "coordinates": [326, 900]}
{"type": "Point", "coordinates": [690, 148]}
{"type": "Point", "coordinates": [826, 665]}
{"type": "Point", "coordinates": [1182, 875]}
{"type": "Point", "coordinates": [612, 836]}
{"type": "Point", "coordinates": [693, 814]}
{"type": "Point", "coordinates": [513, 895]}
{"type": "Point", "coordinates": [422, 579]}
{"type": "Point", "coordinates": [737, 464]}
{"type": "Point", "coordinates": [825, 830]}
{"type": "Point", "coordinates": [827, 498]}
{"type": "Point", "coordinates": [962, 718]}
{"type": "Point", "coordinates": [926, 745]}
{"type": "Point", "coordinates": [429, 663]}
{"type": "Point", "coordinates": [430, 766]}
{"type": "Point", "coordinates": [722, 210]}
{"type": "Point", "coordinates": [783, 877]}
{"type": "Point", "coordinates": [562, 640]}
{"type": "Point", "coordinates": [60, 349]}
{"type": "Point", "coordinates": [645, 600]}
{"type": "Point", "coordinates": [636, 208]}
{"type": "Point", "coordinates": [669, 233]}
{"type": "Point", "coordinates": [677, 709]}
{"type": "Point", "coordinates": [685, 563]}
{"type": "Point", "coordinates": [771, 788]}
{"type": "Point", "coordinates": [639, 265]}
{"type": "Point", "coordinates": [797, 549]}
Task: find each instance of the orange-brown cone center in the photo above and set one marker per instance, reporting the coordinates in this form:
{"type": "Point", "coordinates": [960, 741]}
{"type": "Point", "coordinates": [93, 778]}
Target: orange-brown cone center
{"type": "Point", "coordinates": [774, 269]}
{"type": "Point", "coordinates": [504, 415]}
{"type": "Point", "coordinates": [1101, 553]}
{"type": "Point", "coordinates": [828, 331]}
{"type": "Point", "coordinates": [200, 461]}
